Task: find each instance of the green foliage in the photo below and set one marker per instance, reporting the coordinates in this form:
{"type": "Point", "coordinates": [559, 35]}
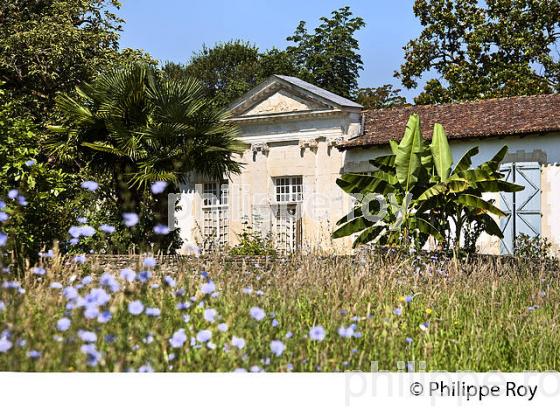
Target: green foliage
{"type": "Point", "coordinates": [329, 57]}
{"type": "Point", "coordinates": [384, 96]}
{"type": "Point", "coordinates": [536, 248]}
{"type": "Point", "coordinates": [483, 49]}
{"type": "Point", "coordinates": [135, 126]}
{"type": "Point", "coordinates": [47, 47]}
{"type": "Point", "coordinates": [415, 193]}
{"type": "Point", "coordinates": [226, 70]}
{"type": "Point", "coordinates": [253, 243]}
{"type": "Point", "coordinates": [48, 190]}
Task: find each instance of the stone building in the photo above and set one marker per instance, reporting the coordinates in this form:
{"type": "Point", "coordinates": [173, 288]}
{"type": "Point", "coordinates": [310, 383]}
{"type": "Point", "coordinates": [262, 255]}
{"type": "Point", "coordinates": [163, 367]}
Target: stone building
{"type": "Point", "coordinates": [300, 138]}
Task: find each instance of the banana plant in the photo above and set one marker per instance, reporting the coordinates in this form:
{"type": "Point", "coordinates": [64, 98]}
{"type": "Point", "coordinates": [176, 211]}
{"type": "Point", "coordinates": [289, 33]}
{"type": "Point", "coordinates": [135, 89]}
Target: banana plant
{"type": "Point", "coordinates": [427, 196]}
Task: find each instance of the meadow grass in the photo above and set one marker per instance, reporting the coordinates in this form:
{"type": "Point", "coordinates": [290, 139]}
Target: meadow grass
{"type": "Point", "coordinates": [443, 314]}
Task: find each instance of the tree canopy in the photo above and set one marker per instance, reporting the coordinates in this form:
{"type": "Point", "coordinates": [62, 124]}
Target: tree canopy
{"type": "Point", "coordinates": [327, 57]}
{"type": "Point", "coordinates": [50, 46]}
{"type": "Point", "coordinates": [483, 49]}
{"type": "Point", "coordinates": [384, 96]}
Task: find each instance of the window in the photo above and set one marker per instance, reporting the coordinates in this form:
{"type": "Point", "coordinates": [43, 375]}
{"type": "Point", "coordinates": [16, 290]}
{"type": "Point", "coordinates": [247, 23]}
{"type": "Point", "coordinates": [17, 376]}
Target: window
{"type": "Point", "coordinates": [289, 189]}
{"type": "Point", "coordinates": [287, 225]}
{"type": "Point", "coordinates": [215, 193]}
{"type": "Point", "coordinates": [215, 214]}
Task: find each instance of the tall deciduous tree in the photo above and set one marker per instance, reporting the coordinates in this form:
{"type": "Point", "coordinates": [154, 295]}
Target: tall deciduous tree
{"type": "Point", "coordinates": [50, 46]}
{"type": "Point", "coordinates": [228, 70]}
{"type": "Point", "coordinates": [483, 49]}
{"type": "Point", "coordinates": [384, 96]}
{"type": "Point", "coordinates": [329, 56]}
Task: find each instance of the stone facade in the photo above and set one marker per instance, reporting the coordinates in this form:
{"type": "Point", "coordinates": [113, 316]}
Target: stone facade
{"type": "Point", "coordinates": [291, 135]}
{"type": "Point", "coordinates": [287, 188]}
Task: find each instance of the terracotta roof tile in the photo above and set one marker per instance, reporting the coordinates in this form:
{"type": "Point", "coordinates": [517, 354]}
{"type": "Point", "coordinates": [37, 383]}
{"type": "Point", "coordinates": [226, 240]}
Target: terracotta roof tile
{"type": "Point", "coordinates": [477, 119]}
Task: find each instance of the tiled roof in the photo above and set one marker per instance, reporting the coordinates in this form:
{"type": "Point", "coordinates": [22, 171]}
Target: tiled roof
{"type": "Point", "coordinates": [477, 119]}
{"type": "Point", "coordinates": [337, 99]}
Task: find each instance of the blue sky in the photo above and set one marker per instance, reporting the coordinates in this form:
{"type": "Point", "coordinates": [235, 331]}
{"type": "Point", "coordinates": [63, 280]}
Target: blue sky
{"type": "Point", "coordinates": [173, 29]}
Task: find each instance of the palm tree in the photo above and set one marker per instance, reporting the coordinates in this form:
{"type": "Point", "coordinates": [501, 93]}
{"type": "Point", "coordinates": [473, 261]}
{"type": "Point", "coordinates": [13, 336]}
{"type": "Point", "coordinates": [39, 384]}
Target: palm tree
{"type": "Point", "coordinates": [139, 126]}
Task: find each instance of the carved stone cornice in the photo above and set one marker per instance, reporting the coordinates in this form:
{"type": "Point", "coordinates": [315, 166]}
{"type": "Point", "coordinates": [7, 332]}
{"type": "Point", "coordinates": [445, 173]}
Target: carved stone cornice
{"type": "Point", "coordinates": [260, 147]}
{"type": "Point", "coordinates": [311, 143]}
{"type": "Point", "coordinates": [334, 141]}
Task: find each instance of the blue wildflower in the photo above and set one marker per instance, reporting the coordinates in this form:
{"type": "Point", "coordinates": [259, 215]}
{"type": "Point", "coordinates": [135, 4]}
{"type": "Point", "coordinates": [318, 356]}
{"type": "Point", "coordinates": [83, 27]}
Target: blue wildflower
{"type": "Point", "coordinates": [4, 217]}
{"type": "Point", "coordinates": [397, 311]}
{"type": "Point", "coordinates": [13, 193]}
{"type": "Point", "coordinates": [108, 280]}
{"type": "Point", "coordinates": [3, 239]}
{"type": "Point", "coordinates": [204, 336]}
{"type": "Point", "coordinates": [208, 288]}
{"type": "Point", "coordinates": [346, 332]}
{"type": "Point", "coordinates": [238, 342]}
{"type": "Point", "coordinates": [210, 315]}
{"type": "Point", "coordinates": [30, 162]}
{"type": "Point", "coordinates": [33, 354]}
{"type": "Point", "coordinates": [92, 355]}
{"type": "Point", "coordinates": [70, 293]}
{"type": "Point", "coordinates": [153, 312]}
{"type": "Point", "coordinates": [97, 297]}
{"type": "Point", "coordinates": [161, 229]}
{"type": "Point", "coordinates": [169, 281]}
{"type": "Point", "coordinates": [150, 262]}
{"type": "Point", "coordinates": [91, 312]}
{"type": "Point", "coordinates": [135, 307]}
{"type": "Point", "coordinates": [277, 347]}
{"type": "Point", "coordinates": [87, 230]}
{"type": "Point", "coordinates": [80, 259]}
{"type": "Point", "coordinates": [5, 344]}
{"type": "Point", "coordinates": [257, 313]}
{"type": "Point", "coordinates": [147, 368]}
{"type": "Point", "coordinates": [178, 339]}
{"type": "Point", "coordinates": [158, 187]}
{"type": "Point", "coordinates": [75, 231]}
{"type": "Point", "coordinates": [2, 306]}
{"type": "Point", "coordinates": [408, 298]}
{"type": "Point", "coordinates": [82, 219]}
{"type": "Point", "coordinates": [87, 336]}
{"type": "Point", "coordinates": [317, 333]}
{"type": "Point", "coordinates": [128, 274]}
{"type": "Point", "coordinates": [87, 280]}
{"type": "Point", "coordinates": [144, 276]}
{"type": "Point", "coordinates": [90, 185]}
{"type": "Point", "coordinates": [22, 201]}
{"type": "Point", "coordinates": [104, 317]}
{"type": "Point", "coordinates": [107, 228]}
{"type": "Point", "coordinates": [56, 285]}
{"type": "Point", "coordinates": [130, 219]}
{"type": "Point", "coordinates": [39, 271]}
{"type": "Point", "coordinates": [408, 340]}
{"type": "Point", "coordinates": [223, 327]}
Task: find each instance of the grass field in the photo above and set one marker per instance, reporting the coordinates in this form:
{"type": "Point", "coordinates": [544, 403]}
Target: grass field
{"type": "Point", "coordinates": [302, 314]}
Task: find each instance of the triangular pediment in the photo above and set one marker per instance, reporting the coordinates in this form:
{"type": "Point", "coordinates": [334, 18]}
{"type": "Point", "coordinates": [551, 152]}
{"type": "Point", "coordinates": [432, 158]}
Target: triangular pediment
{"type": "Point", "coordinates": [283, 101]}
{"type": "Point", "coordinates": [281, 95]}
